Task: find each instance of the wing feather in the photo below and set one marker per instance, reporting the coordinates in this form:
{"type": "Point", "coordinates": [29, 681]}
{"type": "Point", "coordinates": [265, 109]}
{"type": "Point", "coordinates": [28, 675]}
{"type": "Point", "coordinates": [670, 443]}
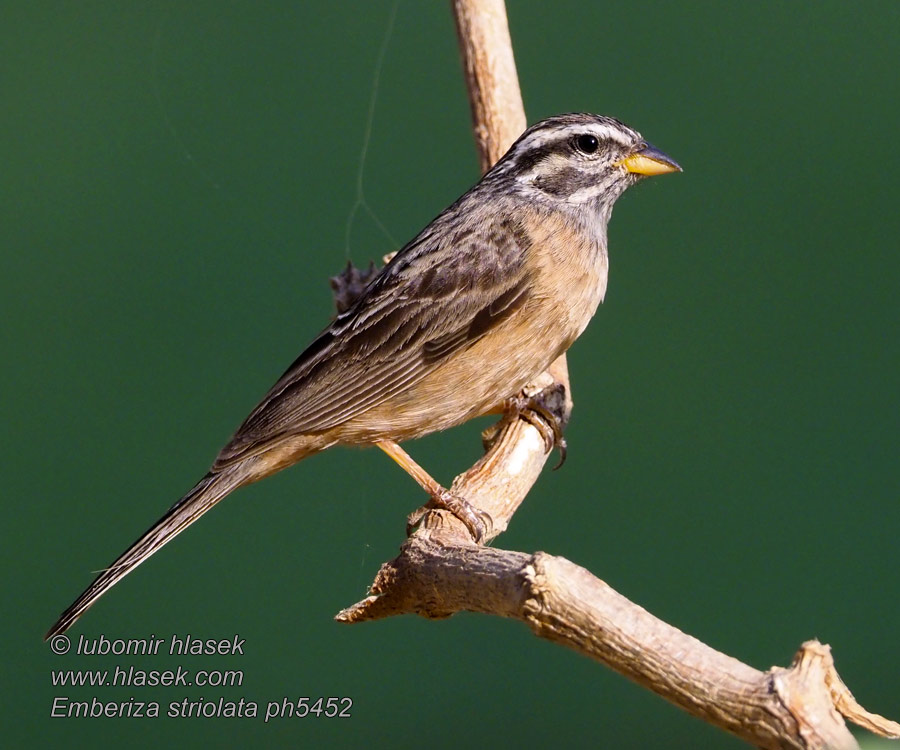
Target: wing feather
{"type": "Point", "coordinates": [428, 302]}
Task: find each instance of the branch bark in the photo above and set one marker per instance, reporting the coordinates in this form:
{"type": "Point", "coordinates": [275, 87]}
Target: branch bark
{"type": "Point", "coordinates": [440, 571]}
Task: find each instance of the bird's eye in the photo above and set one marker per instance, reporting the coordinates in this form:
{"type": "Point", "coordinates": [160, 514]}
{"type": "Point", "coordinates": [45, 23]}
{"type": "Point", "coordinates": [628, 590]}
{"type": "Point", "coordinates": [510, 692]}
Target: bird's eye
{"type": "Point", "coordinates": [587, 144]}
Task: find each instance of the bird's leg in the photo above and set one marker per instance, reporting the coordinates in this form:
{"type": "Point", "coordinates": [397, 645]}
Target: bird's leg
{"type": "Point", "coordinates": [546, 412]}
{"type": "Point", "coordinates": [477, 521]}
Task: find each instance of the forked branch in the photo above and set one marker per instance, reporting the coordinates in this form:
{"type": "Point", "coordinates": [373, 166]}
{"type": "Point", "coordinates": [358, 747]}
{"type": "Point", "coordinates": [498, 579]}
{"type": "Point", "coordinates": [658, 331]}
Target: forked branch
{"type": "Point", "coordinates": [440, 571]}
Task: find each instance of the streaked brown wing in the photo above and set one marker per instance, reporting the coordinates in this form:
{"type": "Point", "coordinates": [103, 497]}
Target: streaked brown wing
{"type": "Point", "coordinates": [426, 304]}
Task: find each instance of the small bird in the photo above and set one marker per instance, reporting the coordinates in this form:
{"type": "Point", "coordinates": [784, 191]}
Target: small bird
{"type": "Point", "coordinates": [466, 314]}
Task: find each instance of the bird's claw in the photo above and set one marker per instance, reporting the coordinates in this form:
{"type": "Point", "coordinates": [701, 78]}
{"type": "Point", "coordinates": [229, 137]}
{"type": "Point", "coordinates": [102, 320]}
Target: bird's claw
{"type": "Point", "coordinates": [477, 521]}
{"type": "Point", "coordinates": [546, 412]}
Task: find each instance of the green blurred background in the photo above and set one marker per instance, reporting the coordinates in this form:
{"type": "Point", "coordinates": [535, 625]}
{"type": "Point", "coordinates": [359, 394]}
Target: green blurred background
{"type": "Point", "coordinates": [177, 181]}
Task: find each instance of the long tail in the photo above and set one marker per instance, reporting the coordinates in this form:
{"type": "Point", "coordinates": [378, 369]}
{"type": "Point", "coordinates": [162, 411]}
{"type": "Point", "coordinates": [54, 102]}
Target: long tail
{"type": "Point", "coordinates": [208, 491]}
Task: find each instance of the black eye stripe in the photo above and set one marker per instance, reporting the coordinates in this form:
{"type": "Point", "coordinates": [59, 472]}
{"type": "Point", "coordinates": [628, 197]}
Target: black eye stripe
{"type": "Point", "coordinates": [526, 160]}
{"type": "Point", "coordinates": [561, 147]}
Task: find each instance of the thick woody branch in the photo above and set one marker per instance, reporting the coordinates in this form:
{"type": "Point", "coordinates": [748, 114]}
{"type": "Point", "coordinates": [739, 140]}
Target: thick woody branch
{"type": "Point", "coordinates": [498, 115]}
{"type": "Point", "coordinates": [440, 570]}
{"type": "Point", "coordinates": [797, 707]}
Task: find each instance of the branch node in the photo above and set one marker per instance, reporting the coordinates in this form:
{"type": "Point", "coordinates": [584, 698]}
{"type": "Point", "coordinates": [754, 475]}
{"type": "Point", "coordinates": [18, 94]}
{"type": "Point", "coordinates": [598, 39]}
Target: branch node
{"type": "Point", "coordinates": [811, 687]}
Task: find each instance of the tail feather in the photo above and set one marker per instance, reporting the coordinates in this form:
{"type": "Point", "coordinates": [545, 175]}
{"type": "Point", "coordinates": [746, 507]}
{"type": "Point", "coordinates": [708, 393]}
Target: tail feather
{"type": "Point", "coordinates": [208, 491]}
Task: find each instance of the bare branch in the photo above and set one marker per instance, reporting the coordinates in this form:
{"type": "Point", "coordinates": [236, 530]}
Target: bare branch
{"type": "Point", "coordinates": [498, 116]}
{"type": "Point", "coordinates": [440, 571]}
{"type": "Point", "coordinates": [798, 707]}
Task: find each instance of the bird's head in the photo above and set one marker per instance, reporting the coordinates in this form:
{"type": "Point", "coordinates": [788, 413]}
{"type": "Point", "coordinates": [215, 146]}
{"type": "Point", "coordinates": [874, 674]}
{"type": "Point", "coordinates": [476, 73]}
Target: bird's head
{"type": "Point", "coordinates": [580, 161]}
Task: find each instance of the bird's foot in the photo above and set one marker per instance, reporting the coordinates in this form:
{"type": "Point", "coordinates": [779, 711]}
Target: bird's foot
{"type": "Point", "coordinates": [546, 412]}
{"type": "Point", "coordinates": [477, 521]}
